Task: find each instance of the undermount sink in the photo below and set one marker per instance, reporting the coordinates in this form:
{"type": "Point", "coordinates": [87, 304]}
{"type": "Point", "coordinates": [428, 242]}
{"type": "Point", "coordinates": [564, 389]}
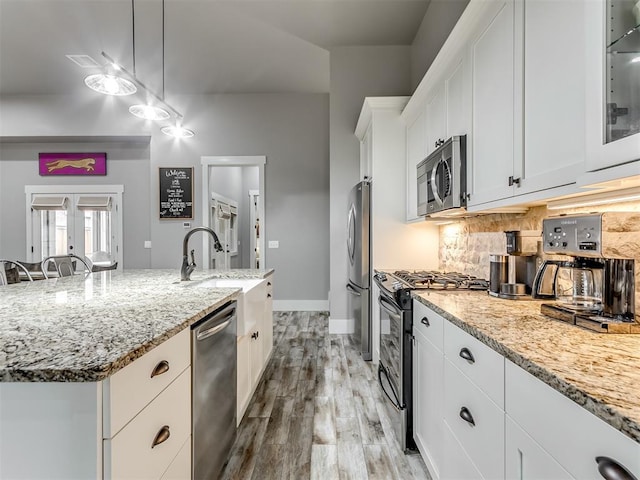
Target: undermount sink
{"type": "Point", "coordinates": [251, 302]}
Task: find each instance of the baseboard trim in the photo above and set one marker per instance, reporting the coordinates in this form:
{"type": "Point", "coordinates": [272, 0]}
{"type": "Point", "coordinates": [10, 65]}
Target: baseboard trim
{"type": "Point", "coordinates": [301, 305]}
{"type": "Point", "coordinates": [339, 325]}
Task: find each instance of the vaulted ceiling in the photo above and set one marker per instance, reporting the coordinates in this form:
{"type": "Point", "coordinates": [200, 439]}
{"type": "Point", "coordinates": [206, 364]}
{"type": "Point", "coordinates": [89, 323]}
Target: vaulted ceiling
{"type": "Point", "coordinates": [210, 46]}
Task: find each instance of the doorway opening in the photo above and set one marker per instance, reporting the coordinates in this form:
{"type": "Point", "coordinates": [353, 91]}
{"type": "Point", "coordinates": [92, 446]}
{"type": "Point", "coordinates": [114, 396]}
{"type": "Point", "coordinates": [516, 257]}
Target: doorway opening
{"type": "Point", "coordinates": [233, 206]}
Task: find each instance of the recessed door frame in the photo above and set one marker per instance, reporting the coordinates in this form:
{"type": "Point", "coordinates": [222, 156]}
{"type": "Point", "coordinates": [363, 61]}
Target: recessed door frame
{"type": "Point", "coordinates": [207, 163]}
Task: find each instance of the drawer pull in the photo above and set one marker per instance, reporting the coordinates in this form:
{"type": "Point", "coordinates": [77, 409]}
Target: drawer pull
{"type": "Point", "coordinates": [612, 470]}
{"type": "Point", "coordinates": [425, 322]}
{"type": "Point", "coordinates": [465, 414]}
{"type": "Point", "coordinates": [160, 368]}
{"type": "Point", "coordinates": [268, 284]}
{"type": "Point", "coordinates": [255, 335]}
{"type": "Point", "coordinates": [268, 295]}
{"type": "Point", "coordinates": [162, 436]}
{"type": "Point", "coordinates": [467, 355]}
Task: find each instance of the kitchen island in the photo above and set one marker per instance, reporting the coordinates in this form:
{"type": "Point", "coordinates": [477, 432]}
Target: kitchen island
{"type": "Point", "coordinates": [67, 350]}
{"type": "Point", "coordinates": [542, 364]}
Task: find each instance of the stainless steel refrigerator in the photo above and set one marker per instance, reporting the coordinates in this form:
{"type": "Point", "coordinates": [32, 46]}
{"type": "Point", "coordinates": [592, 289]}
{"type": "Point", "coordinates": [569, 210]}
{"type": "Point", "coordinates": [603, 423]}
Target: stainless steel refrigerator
{"type": "Point", "coordinates": [359, 253]}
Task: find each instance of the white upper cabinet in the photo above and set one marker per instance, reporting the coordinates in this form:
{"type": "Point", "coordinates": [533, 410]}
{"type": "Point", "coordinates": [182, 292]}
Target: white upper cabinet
{"type": "Point", "coordinates": [436, 118]}
{"type": "Point", "coordinates": [416, 152]}
{"type": "Point", "coordinates": [553, 94]}
{"type": "Point", "coordinates": [366, 155]}
{"type": "Point", "coordinates": [613, 85]}
{"type": "Point", "coordinates": [457, 87]}
{"type": "Point", "coordinates": [493, 122]}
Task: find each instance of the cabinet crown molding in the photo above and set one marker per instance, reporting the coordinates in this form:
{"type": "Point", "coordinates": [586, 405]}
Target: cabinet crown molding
{"type": "Point", "coordinates": [377, 103]}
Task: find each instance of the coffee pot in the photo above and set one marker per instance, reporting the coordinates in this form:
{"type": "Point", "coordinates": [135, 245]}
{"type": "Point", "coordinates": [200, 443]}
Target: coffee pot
{"type": "Point", "coordinates": [576, 284]}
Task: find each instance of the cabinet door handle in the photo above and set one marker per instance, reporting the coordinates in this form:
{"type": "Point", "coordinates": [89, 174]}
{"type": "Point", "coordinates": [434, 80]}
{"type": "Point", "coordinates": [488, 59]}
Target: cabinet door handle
{"type": "Point", "coordinates": [514, 181]}
{"type": "Point", "coordinates": [612, 470]}
{"type": "Point", "coordinates": [255, 335]}
{"type": "Point", "coordinates": [268, 295]}
{"type": "Point", "coordinates": [268, 284]}
{"type": "Point", "coordinates": [160, 368]}
{"type": "Point", "coordinates": [465, 414]}
{"type": "Point", "coordinates": [162, 436]}
{"type": "Point", "coordinates": [467, 355]}
{"type": "Point", "coordinates": [425, 322]}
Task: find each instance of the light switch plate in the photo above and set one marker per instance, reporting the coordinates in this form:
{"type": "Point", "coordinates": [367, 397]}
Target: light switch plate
{"type": "Point", "coordinates": [274, 244]}
{"type": "Point", "coordinates": [147, 244]}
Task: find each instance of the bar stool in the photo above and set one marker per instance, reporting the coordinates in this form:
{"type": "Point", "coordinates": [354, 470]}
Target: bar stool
{"type": "Point", "coordinates": [12, 273]}
{"type": "Point", "coordinates": [65, 265]}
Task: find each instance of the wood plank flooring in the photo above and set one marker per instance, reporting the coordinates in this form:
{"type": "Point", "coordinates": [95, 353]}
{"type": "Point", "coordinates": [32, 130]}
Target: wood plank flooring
{"type": "Point", "coordinates": [317, 413]}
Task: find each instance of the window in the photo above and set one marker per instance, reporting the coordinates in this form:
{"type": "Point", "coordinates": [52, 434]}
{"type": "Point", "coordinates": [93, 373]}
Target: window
{"type": "Point", "coordinates": [85, 221]}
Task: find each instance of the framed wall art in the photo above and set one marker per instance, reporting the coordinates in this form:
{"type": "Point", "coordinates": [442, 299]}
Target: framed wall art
{"type": "Point", "coordinates": [72, 164]}
{"type": "Point", "coordinates": [176, 192]}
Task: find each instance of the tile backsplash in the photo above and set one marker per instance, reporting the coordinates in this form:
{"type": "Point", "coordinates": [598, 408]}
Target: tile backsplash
{"type": "Point", "coordinates": [466, 244]}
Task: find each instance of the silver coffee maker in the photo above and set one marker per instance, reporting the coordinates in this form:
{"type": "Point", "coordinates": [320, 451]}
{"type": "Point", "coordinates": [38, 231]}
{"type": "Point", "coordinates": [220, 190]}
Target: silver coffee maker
{"type": "Point", "coordinates": [588, 289]}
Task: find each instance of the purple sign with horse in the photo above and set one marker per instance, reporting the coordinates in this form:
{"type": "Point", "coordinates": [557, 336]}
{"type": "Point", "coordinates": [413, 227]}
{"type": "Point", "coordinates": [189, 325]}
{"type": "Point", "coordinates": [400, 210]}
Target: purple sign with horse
{"type": "Point", "coordinates": [73, 164]}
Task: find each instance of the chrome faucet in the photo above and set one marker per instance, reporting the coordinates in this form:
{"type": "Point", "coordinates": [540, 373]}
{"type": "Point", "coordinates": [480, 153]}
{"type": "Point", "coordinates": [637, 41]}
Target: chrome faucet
{"type": "Point", "coordinates": [187, 268]}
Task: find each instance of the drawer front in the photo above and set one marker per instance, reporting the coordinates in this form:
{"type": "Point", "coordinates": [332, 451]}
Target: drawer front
{"type": "Point", "coordinates": [571, 434]}
{"type": "Point", "coordinates": [482, 433]}
{"type": "Point", "coordinates": [485, 367]}
{"type": "Point", "coordinates": [130, 454]}
{"type": "Point", "coordinates": [429, 323]}
{"type": "Point", "coordinates": [456, 464]}
{"type": "Point", "coordinates": [180, 468]}
{"type": "Point", "coordinates": [120, 406]}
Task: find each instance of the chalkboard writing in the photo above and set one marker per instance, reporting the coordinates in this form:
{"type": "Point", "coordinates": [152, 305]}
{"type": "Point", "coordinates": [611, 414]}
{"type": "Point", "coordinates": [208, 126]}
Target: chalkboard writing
{"type": "Point", "coordinates": [176, 192]}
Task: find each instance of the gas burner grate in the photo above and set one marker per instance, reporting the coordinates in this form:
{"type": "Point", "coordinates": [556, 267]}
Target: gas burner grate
{"type": "Point", "coordinates": [441, 280]}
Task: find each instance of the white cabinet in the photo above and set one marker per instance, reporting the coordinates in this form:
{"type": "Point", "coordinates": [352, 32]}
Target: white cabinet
{"type": "Point", "coordinates": [456, 464]}
{"type": "Point", "coordinates": [493, 98]}
{"type": "Point", "coordinates": [612, 85]}
{"type": "Point", "coordinates": [428, 426]}
{"type": "Point", "coordinates": [436, 118]}
{"type": "Point", "coordinates": [525, 459]}
{"type": "Point", "coordinates": [366, 155]}
{"type": "Point", "coordinates": [255, 346]}
{"type": "Point", "coordinates": [574, 437]}
{"type": "Point", "coordinates": [416, 152]}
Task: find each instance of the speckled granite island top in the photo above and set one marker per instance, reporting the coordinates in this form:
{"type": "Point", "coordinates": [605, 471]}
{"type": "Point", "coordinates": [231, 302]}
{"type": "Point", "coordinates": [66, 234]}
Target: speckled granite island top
{"type": "Point", "coordinates": [600, 372]}
{"type": "Point", "coordinates": [78, 329]}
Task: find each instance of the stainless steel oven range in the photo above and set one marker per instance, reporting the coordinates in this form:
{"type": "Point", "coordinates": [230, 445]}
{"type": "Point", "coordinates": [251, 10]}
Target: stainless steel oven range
{"type": "Point", "coordinates": [395, 371]}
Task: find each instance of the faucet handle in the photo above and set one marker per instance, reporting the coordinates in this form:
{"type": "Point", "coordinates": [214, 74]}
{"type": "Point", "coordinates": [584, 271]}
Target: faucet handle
{"type": "Point", "coordinates": [193, 258]}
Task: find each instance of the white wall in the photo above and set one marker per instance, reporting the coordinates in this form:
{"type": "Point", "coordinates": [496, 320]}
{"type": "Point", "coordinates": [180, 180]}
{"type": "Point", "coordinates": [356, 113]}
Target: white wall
{"type": "Point", "coordinates": [438, 21]}
{"type": "Point", "coordinates": [292, 130]}
{"type": "Point", "coordinates": [356, 73]}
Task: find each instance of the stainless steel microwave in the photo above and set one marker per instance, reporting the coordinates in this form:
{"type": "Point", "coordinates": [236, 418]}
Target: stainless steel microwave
{"type": "Point", "coordinates": [442, 178]}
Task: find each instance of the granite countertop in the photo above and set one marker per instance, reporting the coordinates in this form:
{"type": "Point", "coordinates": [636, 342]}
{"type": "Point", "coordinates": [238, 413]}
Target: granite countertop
{"type": "Point", "coordinates": [84, 329]}
{"type": "Point", "coordinates": [600, 372]}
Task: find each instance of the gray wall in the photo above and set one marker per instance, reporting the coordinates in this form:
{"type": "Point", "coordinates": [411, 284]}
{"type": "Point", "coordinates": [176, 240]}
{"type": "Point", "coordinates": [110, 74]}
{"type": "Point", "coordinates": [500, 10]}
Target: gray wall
{"type": "Point", "coordinates": [127, 164]}
{"type": "Point", "coordinates": [438, 21]}
{"type": "Point", "coordinates": [356, 73]}
{"type": "Point", "coordinates": [291, 130]}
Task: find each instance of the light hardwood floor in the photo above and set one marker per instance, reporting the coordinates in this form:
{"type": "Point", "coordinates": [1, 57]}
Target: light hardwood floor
{"type": "Point", "coordinates": [317, 413]}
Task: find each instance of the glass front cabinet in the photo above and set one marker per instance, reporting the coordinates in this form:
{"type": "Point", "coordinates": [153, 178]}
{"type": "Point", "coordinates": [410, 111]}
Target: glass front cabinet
{"type": "Point", "coordinates": [613, 83]}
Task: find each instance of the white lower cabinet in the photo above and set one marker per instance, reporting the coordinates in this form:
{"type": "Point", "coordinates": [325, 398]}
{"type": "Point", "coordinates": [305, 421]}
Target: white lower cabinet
{"type": "Point", "coordinates": [180, 468]}
{"type": "Point", "coordinates": [145, 447]}
{"type": "Point", "coordinates": [254, 349]}
{"type": "Point", "coordinates": [428, 361]}
{"type": "Point", "coordinates": [573, 436]}
{"type": "Point", "coordinates": [456, 464]}
{"type": "Point", "coordinates": [525, 459]}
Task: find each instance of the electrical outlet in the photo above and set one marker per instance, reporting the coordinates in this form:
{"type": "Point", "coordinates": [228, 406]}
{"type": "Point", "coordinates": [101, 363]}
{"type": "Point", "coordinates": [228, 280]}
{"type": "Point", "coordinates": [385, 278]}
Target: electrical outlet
{"type": "Point", "coordinates": [274, 244]}
{"type": "Point", "coordinates": [147, 244]}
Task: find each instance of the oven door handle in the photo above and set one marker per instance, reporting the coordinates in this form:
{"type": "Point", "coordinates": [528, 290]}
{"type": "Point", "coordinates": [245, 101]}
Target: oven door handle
{"type": "Point", "coordinates": [394, 401]}
{"type": "Point", "coordinates": [389, 306]}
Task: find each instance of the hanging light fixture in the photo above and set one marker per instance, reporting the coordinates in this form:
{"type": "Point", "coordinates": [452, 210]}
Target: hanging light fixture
{"type": "Point", "coordinates": [127, 83]}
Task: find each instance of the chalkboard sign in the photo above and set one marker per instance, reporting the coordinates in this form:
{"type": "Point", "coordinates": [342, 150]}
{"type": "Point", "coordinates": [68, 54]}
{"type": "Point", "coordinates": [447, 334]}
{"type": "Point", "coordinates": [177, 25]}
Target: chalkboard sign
{"type": "Point", "coordinates": [176, 192]}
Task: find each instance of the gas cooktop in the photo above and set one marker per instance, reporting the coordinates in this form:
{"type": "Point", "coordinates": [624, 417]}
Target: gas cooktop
{"type": "Point", "coordinates": [435, 280]}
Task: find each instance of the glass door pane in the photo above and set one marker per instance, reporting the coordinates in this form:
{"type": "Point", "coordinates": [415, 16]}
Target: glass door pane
{"type": "Point", "coordinates": [622, 69]}
{"type": "Point", "coordinates": [97, 236]}
{"type": "Point", "coordinates": [54, 232]}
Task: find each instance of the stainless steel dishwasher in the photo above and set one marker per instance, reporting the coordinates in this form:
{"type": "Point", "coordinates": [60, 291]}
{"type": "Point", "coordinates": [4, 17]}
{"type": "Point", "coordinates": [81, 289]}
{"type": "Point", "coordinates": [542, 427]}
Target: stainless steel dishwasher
{"type": "Point", "coordinates": [213, 377]}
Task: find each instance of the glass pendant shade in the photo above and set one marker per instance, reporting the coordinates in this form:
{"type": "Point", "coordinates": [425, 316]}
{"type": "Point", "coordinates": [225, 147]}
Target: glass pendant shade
{"type": "Point", "coordinates": [148, 112]}
{"type": "Point", "coordinates": [110, 84]}
{"type": "Point", "coordinates": [177, 131]}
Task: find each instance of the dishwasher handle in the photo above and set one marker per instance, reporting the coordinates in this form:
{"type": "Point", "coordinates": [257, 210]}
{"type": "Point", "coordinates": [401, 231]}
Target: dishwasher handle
{"type": "Point", "coordinates": [209, 332]}
{"type": "Point", "coordinates": [216, 322]}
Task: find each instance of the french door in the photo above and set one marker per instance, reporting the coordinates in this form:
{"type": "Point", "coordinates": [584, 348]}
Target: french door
{"type": "Point", "coordinates": [85, 221]}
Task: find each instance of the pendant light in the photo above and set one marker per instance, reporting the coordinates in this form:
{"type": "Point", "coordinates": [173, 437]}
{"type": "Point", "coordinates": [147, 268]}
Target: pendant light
{"type": "Point", "coordinates": [177, 131]}
{"type": "Point", "coordinates": [149, 112]}
{"type": "Point", "coordinates": [110, 84]}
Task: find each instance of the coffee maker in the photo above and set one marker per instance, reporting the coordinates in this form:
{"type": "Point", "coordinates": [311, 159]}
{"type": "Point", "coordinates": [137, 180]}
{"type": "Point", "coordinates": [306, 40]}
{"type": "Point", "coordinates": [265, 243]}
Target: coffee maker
{"type": "Point", "coordinates": [511, 276]}
{"type": "Point", "coordinates": [588, 289]}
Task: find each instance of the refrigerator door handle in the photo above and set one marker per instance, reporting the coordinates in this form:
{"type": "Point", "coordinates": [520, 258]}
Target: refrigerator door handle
{"type": "Point", "coordinates": [353, 291]}
{"type": "Point", "coordinates": [351, 234]}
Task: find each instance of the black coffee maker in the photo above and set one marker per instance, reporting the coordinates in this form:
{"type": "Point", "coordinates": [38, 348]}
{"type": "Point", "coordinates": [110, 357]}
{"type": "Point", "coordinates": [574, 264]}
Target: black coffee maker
{"type": "Point", "coordinates": [511, 276]}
